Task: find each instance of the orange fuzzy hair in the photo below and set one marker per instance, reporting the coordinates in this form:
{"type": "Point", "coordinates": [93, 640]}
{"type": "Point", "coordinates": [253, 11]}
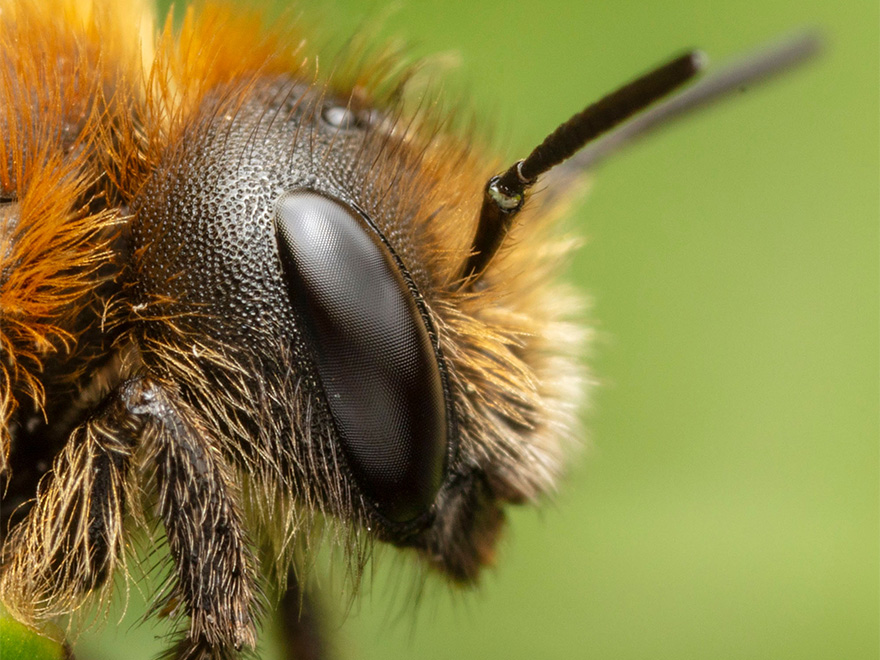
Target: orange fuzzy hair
{"type": "Point", "coordinates": [52, 242]}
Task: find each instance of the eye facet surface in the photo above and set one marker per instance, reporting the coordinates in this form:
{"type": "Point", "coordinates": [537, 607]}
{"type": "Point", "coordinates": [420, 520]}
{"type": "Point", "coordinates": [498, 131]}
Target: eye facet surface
{"type": "Point", "coordinates": [377, 365]}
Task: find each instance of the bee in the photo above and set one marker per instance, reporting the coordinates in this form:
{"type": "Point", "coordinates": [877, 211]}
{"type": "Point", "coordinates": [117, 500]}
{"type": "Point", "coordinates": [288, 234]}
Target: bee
{"type": "Point", "coordinates": [248, 305]}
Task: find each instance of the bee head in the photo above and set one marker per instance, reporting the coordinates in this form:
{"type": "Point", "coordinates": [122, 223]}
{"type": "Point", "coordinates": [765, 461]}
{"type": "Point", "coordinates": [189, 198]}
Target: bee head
{"type": "Point", "coordinates": [369, 333]}
{"type": "Point", "coordinates": [303, 256]}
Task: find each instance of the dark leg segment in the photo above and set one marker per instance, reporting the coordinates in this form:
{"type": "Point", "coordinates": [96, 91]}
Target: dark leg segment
{"type": "Point", "coordinates": [214, 569]}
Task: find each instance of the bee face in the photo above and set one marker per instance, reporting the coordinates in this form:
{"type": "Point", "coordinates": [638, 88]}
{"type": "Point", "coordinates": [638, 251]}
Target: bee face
{"type": "Point", "coordinates": [301, 324]}
{"type": "Point", "coordinates": [328, 246]}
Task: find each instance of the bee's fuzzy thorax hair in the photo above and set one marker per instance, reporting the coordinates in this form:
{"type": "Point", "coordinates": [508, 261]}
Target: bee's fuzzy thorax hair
{"type": "Point", "coordinates": [55, 233]}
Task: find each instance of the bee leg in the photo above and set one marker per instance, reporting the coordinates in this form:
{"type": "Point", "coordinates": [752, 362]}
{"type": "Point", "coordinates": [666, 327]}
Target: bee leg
{"type": "Point", "coordinates": [72, 538]}
{"type": "Point", "coordinates": [214, 572]}
{"type": "Point", "coordinates": [301, 623]}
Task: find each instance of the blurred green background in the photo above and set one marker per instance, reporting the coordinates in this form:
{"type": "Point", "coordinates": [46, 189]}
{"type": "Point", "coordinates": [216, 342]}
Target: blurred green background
{"type": "Point", "coordinates": [728, 505]}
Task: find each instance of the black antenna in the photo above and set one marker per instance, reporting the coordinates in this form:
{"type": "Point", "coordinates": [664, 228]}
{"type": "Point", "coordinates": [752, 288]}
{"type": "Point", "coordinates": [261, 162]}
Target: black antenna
{"type": "Point", "coordinates": [505, 193]}
{"type": "Point", "coordinates": [761, 65]}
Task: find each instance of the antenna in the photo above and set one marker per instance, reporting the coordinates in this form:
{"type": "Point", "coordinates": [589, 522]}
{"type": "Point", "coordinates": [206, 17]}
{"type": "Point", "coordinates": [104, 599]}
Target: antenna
{"type": "Point", "coordinates": [504, 194]}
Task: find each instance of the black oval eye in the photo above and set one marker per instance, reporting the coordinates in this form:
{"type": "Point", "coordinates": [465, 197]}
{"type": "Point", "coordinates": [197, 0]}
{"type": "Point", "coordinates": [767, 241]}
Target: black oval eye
{"type": "Point", "coordinates": [372, 351]}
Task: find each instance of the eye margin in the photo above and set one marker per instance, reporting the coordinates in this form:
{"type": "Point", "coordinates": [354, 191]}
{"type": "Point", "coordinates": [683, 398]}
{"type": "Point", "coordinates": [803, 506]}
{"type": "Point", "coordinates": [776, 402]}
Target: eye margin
{"type": "Point", "coordinates": [403, 533]}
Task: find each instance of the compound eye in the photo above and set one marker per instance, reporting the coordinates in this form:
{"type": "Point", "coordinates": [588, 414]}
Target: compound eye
{"type": "Point", "coordinates": [376, 362]}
